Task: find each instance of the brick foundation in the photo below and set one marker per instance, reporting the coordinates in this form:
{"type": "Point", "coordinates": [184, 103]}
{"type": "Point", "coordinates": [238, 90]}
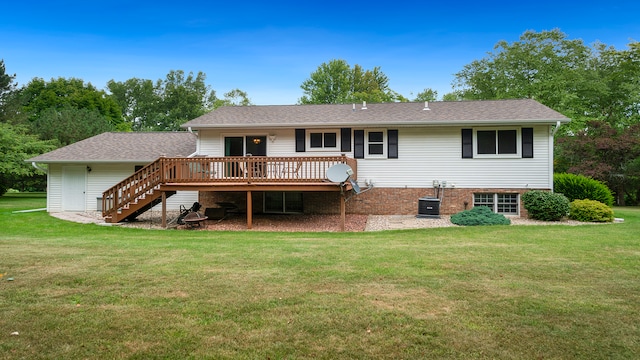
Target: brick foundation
{"type": "Point", "coordinates": [377, 201]}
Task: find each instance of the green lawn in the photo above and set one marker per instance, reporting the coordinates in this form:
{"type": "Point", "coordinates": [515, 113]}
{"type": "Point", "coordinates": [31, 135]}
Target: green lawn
{"type": "Point", "coordinates": [507, 292]}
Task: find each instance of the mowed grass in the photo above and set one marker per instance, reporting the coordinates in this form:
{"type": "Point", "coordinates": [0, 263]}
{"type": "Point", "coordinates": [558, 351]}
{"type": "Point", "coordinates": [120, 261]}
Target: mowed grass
{"type": "Point", "coordinates": [503, 292]}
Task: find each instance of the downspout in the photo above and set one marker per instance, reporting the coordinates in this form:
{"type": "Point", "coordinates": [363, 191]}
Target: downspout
{"type": "Point", "coordinates": [190, 130]}
{"type": "Point", "coordinates": [553, 135]}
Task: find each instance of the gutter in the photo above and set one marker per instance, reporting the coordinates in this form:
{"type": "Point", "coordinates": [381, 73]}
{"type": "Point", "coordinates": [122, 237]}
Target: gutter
{"type": "Point", "coordinates": [335, 124]}
{"type": "Point", "coordinates": [33, 163]}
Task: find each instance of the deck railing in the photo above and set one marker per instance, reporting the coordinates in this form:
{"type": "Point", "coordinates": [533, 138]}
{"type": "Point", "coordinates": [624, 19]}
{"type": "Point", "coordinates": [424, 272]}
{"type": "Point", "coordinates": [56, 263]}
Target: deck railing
{"type": "Point", "coordinates": [250, 169]}
{"type": "Point", "coordinates": [220, 170]}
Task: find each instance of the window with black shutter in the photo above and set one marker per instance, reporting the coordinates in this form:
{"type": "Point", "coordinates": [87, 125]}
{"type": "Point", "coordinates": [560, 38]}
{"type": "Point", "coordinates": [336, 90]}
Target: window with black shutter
{"type": "Point", "coordinates": [392, 152]}
{"type": "Point", "coordinates": [467, 143]}
{"type": "Point", "coordinates": [527, 142]}
{"type": "Point", "coordinates": [358, 144]}
{"type": "Point", "coordinates": [300, 140]}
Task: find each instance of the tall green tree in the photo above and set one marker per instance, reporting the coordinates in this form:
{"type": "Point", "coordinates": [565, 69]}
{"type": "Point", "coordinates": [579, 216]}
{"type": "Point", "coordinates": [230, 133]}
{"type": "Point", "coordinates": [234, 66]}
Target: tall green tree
{"type": "Point", "coordinates": [183, 98]}
{"type": "Point", "coordinates": [139, 100]}
{"type": "Point", "coordinates": [6, 82]}
{"type": "Point", "coordinates": [68, 124]}
{"type": "Point", "coordinates": [235, 97]}
{"type": "Point", "coordinates": [39, 96]}
{"type": "Point", "coordinates": [611, 90]}
{"type": "Point", "coordinates": [581, 82]}
{"type": "Point", "coordinates": [427, 94]}
{"type": "Point", "coordinates": [170, 102]}
{"type": "Point", "coordinates": [17, 145]}
{"type": "Point", "coordinates": [7, 88]}
{"type": "Point", "coordinates": [336, 82]}
{"type": "Point", "coordinates": [544, 65]}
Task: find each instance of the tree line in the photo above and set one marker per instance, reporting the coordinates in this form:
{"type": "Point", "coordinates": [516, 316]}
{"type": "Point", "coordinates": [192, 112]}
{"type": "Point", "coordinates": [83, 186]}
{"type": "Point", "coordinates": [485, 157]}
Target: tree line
{"type": "Point", "coordinates": [597, 86]}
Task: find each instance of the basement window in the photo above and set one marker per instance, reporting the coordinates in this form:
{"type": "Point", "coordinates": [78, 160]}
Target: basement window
{"type": "Point", "coordinates": [501, 203]}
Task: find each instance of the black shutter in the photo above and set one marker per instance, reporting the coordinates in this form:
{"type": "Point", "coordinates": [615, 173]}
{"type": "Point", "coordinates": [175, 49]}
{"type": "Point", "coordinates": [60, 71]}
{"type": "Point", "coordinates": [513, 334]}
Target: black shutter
{"type": "Point", "coordinates": [527, 142]}
{"type": "Point", "coordinates": [358, 144]}
{"type": "Point", "coordinates": [345, 140]}
{"type": "Point", "coordinates": [392, 142]}
{"type": "Point", "coordinates": [467, 143]}
{"type": "Point", "coordinates": [300, 140]}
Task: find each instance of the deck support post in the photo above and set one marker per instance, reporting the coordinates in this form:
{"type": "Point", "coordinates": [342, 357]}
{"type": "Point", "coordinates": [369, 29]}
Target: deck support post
{"type": "Point", "coordinates": [164, 209]}
{"type": "Point", "coordinates": [343, 212]}
{"type": "Point", "coordinates": [249, 210]}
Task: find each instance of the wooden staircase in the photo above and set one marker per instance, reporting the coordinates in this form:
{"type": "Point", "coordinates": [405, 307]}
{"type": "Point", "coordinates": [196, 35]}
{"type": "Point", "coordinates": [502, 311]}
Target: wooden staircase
{"type": "Point", "coordinates": [134, 195]}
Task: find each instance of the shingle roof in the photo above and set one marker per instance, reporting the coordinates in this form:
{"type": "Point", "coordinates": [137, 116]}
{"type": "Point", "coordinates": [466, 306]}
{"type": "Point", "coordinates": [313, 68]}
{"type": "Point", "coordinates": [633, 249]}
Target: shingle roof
{"type": "Point", "coordinates": [396, 114]}
{"type": "Point", "coordinates": [140, 147]}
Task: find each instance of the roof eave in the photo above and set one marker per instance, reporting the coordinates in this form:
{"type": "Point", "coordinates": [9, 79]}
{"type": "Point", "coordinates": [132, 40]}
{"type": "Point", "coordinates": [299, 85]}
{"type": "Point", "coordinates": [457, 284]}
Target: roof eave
{"type": "Point", "coordinates": [375, 124]}
{"type": "Point", "coordinates": [87, 161]}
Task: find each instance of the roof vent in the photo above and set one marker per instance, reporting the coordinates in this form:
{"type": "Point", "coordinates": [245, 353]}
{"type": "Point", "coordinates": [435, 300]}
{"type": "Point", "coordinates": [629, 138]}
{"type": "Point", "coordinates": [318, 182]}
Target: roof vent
{"type": "Point", "coordinates": [364, 105]}
{"type": "Point", "coordinates": [426, 106]}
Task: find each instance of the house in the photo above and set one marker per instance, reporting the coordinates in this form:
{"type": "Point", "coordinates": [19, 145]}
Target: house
{"type": "Point", "coordinates": [277, 159]}
{"type": "Point", "coordinates": [465, 153]}
{"type": "Point", "coordinates": [78, 174]}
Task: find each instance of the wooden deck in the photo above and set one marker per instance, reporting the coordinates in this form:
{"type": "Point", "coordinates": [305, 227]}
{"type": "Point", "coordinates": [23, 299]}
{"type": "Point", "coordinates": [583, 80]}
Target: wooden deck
{"type": "Point", "coordinates": [164, 176]}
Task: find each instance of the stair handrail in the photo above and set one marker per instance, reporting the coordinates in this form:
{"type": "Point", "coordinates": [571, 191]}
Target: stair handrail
{"type": "Point", "coordinates": [133, 187]}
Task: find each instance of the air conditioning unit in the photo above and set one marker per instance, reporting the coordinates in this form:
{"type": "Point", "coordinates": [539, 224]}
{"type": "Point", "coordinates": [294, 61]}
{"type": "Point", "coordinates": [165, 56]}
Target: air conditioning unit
{"type": "Point", "coordinates": [428, 207]}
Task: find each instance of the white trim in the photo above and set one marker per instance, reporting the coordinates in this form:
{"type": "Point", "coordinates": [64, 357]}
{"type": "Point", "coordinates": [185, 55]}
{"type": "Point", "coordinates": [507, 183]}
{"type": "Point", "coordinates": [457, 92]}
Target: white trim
{"type": "Point", "coordinates": [307, 139]}
{"type": "Point", "coordinates": [495, 201]}
{"type": "Point", "coordinates": [385, 144]}
{"type": "Point", "coordinates": [518, 153]}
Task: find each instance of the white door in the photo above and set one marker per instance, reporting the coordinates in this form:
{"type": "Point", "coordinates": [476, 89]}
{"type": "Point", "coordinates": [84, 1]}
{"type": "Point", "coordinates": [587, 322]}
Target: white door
{"type": "Point", "coordinates": [73, 188]}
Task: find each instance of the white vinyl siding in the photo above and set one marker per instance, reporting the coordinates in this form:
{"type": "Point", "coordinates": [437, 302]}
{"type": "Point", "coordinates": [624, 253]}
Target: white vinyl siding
{"type": "Point", "coordinates": [426, 154]}
{"type": "Point", "coordinates": [100, 178]}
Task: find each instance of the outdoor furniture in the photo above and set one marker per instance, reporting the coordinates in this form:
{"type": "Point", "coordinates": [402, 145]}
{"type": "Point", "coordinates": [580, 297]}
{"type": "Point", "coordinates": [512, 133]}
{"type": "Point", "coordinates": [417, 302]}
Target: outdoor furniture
{"type": "Point", "coordinates": [194, 219]}
{"type": "Point", "coordinates": [291, 170]}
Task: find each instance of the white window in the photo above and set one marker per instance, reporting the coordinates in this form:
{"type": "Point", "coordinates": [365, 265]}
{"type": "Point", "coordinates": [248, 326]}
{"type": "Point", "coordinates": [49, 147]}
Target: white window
{"type": "Point", "coordinates": [375, 142]}
{"type": "Point", "coordinates": [318, 140]}
{"type": "Point", "coordinates": [497, 142]}
{"type": "Point", "coordinates": [501, 203]}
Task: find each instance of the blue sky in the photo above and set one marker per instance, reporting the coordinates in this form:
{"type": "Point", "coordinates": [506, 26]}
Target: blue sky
{"type": "Point", "coordinates": [268, 48]}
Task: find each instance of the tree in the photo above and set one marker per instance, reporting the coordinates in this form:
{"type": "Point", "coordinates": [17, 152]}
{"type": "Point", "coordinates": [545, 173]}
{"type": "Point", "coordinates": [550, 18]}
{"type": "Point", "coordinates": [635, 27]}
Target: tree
{"type": "Point", "coordinates": [39, 96]}
{"type": "Point", "coordinates": [336, 82]}
{"type": "Point", "coordinates": [16, 145]}
{"type": "Point", "coordinates": [183, 99]}
{"type": "Point", "coordinates": [453, 96]}
{"type": "Point", "coordinates": [580, 82]}
{"type": "Point", "coordinates": [139, 101]}
{"type": "Point", "coordinates": [427, 95]}
{"type": "Point", "coordinates": [6, 83]}
{"type": "Point", "coordinates": [606, 153]}
{"type": "Point", "coordinates": [69, 125]}
{"type": "Point", "coordinates": [7, 89]}
{"type": "Point", "coordinates": [170, 102]}
{"type": "Point", "coordinates": [611, 91]}
{"type": "Point", "coordinates": [235, 97]}
{"type": "Point", "coordinates": [545, 66]}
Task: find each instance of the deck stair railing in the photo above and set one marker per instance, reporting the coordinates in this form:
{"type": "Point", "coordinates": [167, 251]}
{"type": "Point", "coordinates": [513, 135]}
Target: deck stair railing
{"type": "Point", "coordinates": [140, 191]}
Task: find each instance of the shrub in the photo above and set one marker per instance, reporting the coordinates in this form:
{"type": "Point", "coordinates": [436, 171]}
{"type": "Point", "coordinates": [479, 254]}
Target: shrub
{"type": "Point", "coordinates": [578, 187]}
{"type": "Point", "coordinates": [590, 210]}
{"type": "Point", "coordinates": [545, 206]}
{"type": "Point", "coordinates": [479, 215]}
